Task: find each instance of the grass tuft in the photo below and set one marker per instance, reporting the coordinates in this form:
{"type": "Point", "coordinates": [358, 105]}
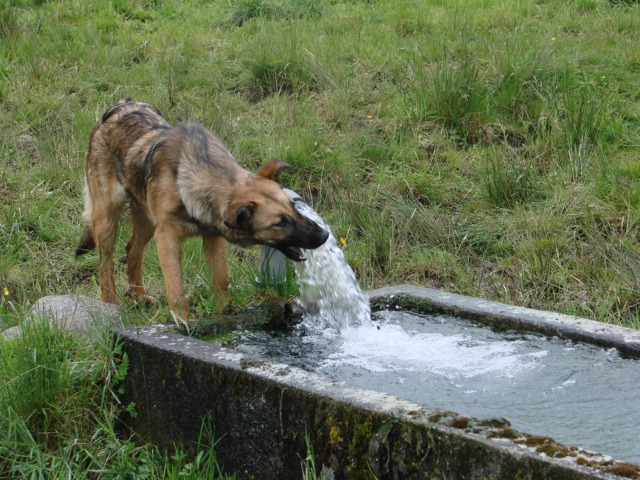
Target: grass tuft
{"type": "Point", "coordinates": [508, 180]}
{"type": "Point", "coordinates": [243, 10]}
{"type": "Point", "coordinates": [282, 67]}
{"type": "Point", "coordinates": [450, 92]}
{"type": "Point", "coordinates": [58, 416]}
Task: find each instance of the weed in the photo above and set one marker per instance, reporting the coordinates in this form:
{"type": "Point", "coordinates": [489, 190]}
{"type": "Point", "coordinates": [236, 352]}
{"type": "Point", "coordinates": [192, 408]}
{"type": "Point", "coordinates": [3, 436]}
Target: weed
{"type": "Point", "coordinates": [451, 92]}
{"type": "Point", "coordinates": [309, 469]}
{"type": "Point", "coordinates": [508, 180]}
{"type": "Point", "coordinates": [582, 112]}
{"type": "Point", "coordinates": [8, 22]}
{"type": "Point", "coordinates": [58, 413]}
{"type": "Point", "coordinates": [282, 67]}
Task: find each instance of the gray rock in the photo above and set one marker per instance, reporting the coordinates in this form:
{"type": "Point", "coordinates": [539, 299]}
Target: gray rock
{"type": "Point", "coordinates": [77, 313]}
{"type": "Point", "coordinates": [10, 333]}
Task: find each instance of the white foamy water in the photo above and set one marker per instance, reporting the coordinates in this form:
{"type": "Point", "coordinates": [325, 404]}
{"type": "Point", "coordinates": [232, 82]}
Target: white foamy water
{"type": "Point", "coordinates": [329, 291]}
{"type": "Point", "coordinates": [394, 349]}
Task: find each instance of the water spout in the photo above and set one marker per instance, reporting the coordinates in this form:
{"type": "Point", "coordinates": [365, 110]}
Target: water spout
{"type": "Point", "coordinates": [330, 295]}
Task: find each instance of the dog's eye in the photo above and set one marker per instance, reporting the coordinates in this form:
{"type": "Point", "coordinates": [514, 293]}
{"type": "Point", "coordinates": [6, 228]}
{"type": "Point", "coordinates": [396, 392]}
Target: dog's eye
{"type": "Point", "coordinates": [283, 223]}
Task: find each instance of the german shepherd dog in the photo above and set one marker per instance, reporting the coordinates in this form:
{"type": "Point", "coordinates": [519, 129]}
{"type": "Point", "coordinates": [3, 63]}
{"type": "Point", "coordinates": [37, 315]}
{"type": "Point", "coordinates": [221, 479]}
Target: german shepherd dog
{"type": "Point", "coordinates": [178, 182]}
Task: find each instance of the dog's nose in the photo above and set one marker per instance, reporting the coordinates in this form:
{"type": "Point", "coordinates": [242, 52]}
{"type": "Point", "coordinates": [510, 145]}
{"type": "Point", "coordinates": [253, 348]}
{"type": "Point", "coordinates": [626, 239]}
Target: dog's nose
{"type": "Point", "coordinates": [318, 230]}
{"type": "Point", "coordinates": [322, 237]}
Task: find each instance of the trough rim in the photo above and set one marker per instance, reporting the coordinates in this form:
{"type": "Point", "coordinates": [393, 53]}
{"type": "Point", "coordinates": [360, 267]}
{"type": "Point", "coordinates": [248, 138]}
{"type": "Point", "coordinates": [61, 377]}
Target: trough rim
{"type": "Point", "coordinates": [553, 324]}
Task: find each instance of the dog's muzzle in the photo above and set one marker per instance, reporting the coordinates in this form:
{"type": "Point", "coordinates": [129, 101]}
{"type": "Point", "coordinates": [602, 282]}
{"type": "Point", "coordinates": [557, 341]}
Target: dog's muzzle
{"type": "Point", "coordinates": [312, 232]}
{"type": "Point", "coordinates": [307, 238]}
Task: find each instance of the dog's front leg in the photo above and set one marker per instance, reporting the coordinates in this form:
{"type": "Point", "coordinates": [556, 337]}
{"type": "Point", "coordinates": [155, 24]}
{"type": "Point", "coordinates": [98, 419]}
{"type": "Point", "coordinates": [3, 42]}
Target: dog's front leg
{"type": "Point", "coordinates": [169, 244]}
{"type": "Point", "coordinates": [215, 252]}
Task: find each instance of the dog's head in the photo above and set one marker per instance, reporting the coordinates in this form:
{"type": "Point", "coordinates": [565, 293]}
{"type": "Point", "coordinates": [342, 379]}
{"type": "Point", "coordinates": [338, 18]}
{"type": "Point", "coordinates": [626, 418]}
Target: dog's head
{"type": "Point", "coordinates": [264, 214]}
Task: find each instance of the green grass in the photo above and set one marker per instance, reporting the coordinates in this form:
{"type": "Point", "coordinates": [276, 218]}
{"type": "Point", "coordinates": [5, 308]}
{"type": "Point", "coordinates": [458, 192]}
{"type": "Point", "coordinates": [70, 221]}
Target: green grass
{"type": "Point", "coordinates": [485, 148]}
{"type": "Point", "coordinates": [57, 414]}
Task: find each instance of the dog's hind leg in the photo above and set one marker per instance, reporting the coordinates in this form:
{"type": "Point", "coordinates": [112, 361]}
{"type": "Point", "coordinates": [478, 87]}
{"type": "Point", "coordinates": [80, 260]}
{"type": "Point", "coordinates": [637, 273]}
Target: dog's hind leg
{"type": "Point", "coordinates": [107, 207]}
{"type": "Point", "coordinates": [215, 252]}
{"type": "Point", "coordinates": [169, 243]}
{"type": "Point", "coordinates": [141, 233]}
{"type": "Point", "coordinates": [104, 199]}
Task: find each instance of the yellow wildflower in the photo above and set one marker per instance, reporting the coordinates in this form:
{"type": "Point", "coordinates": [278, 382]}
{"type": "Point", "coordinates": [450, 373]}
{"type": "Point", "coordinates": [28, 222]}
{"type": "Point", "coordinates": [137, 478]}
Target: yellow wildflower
{"type": "Point", "coordinates": [343, 241]}
{"type": "Point", "coordinates": [5, 291]}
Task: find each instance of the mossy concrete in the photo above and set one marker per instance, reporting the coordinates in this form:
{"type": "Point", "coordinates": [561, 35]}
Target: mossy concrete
{"type": "Point", "coordinates": [260, 413]}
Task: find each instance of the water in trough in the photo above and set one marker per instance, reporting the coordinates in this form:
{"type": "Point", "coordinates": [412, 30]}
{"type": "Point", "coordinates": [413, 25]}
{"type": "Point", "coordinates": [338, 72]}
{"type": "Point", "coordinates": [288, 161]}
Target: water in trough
{"type": "Point", "coordinates": [578, 394]}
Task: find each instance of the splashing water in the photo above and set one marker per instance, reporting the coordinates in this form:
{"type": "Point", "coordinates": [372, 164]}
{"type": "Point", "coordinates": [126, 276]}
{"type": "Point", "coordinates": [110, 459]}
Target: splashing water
{"type": "Point", "coordinates": [578, 394]}
{"type": "Point", "coordinates": [329, 292]}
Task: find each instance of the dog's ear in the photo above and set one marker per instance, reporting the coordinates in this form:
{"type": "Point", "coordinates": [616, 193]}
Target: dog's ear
{"type": "Point", "coordinates": [240, 217]}
{"type": "Point", "coordinates": [272, 169]}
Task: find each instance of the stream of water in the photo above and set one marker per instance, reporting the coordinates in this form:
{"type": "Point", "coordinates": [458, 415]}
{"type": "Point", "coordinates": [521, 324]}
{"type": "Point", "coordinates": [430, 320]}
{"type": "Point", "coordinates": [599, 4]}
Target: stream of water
{"type": "Point", "coordinates": [330, 295]}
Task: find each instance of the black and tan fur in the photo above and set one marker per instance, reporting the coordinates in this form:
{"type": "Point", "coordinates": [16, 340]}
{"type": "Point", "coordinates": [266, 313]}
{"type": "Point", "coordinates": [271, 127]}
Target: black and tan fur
{"type": "Point", "coordinates": [177, 182]}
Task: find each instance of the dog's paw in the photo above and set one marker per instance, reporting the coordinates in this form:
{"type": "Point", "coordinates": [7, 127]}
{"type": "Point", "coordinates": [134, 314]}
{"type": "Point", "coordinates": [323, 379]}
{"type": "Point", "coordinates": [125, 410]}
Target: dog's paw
{"type": "Point", "coordinates": [142, 297]}
{"type": "Point", "coordinates": [149, 300]}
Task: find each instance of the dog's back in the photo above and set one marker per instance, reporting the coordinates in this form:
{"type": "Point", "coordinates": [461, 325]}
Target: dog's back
{"type": "Point", "coordinates": [123, 138]}
{"type": "Point", "coordinates": [119, 144]}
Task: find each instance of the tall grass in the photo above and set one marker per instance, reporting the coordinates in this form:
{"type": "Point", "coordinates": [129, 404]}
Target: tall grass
{"type": "Point", "coordinates": [243, 10]}
{"type": "Point", "coordinates": [509, 180]}
{"type": "Point", "coordinates": [454, 114]}
{"type": "Point", "coordinates": [58, 414]}
{"type": "Point", "coordinates": [282, 66]}
{"type": "Point", "coordinates": [450, 92]}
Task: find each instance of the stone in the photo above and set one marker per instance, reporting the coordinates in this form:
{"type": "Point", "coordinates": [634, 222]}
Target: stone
{"type": "Point", "coordinates": [84, 315]}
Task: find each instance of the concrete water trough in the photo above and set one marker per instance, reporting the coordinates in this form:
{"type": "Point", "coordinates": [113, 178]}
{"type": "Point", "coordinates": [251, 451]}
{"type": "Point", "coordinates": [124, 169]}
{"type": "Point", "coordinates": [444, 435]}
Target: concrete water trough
{"type": "Point", "coordinates": [261, 413]}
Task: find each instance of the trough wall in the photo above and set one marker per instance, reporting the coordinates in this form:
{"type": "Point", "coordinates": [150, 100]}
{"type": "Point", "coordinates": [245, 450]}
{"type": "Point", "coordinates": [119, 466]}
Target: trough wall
{"type": "Point", "coordinates": [261, 414]}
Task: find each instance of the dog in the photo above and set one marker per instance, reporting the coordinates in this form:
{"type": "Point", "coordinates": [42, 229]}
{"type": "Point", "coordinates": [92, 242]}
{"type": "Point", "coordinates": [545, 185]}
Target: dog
{"type": "Point", "coordinates": [176, 182]}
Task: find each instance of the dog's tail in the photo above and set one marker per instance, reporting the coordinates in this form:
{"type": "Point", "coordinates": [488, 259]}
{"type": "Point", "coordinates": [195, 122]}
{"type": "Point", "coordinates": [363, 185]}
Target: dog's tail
{"type": "Point", "coordinates": [88, 241]}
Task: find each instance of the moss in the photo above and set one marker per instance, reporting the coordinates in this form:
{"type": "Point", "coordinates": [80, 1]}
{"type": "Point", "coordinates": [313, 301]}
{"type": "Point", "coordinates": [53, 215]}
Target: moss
{"type": "Point", "coordinates": [334, 434]}
{"type": "Point", "coordinates": [181, 369]}
{"type": "Point", "coordinates": [460, 422]}
{"type": "Point", "coordinates": [224, 338]}
{"type": "Point", "coordinates": [622, 469]}
{"type": "Point", "coordinates": [534, 440]}
{"type": "Point", "coordinates": [250, 363]}
{"type": "Point", "coordinates": [405, 302]}
{"type": "Point", "coordinates": [507, 433]}
{"type": "Point", "coordinates": [436, 417]}
{"type": "Point", "coordinates": [554, 450]}
{"type": "Point", "coordinates": [495, 423]}
{"type": "Point", "coordinates": [510, 433]}
{"type": "Point", "coordinates": [625, 470]}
